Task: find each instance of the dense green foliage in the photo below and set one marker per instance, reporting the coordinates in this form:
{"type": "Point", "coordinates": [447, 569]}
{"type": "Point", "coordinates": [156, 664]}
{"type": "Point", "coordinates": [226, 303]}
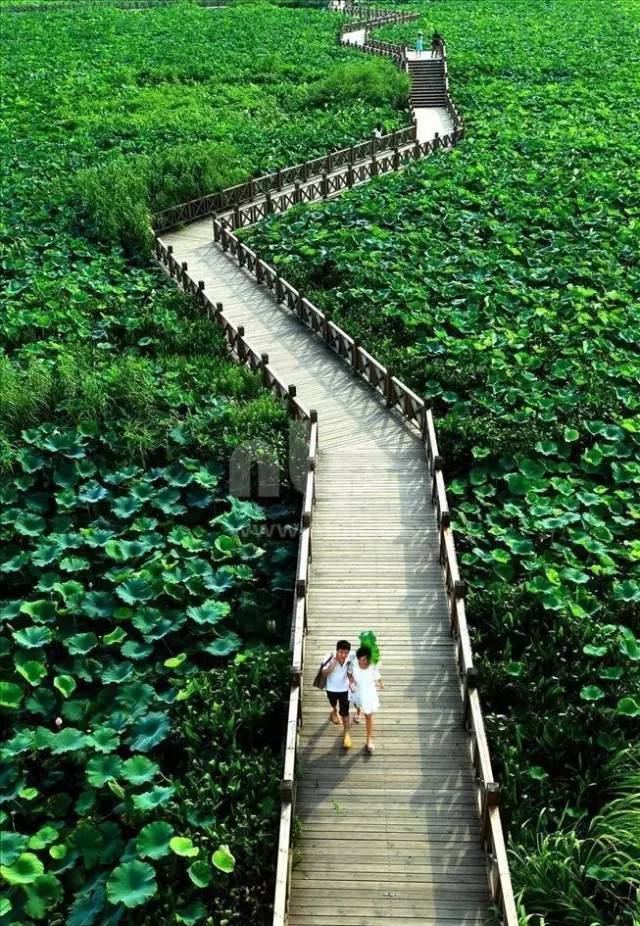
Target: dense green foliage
{"type": "Point", "coordinates": [152, 829]}
{"type": "Point", "coordinates": [501, 280]}
{"type": "Point", "coordinates": [124, 577]}
{"type": "Point", "coordinates": [168, 105]}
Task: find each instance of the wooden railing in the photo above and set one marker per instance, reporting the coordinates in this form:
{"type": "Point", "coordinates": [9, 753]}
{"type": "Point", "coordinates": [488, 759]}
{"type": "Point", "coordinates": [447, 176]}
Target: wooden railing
{"type": "Point", "coordinates": [244, 353]}
{"type": "Point", "coordinates": [294, 716]}
{"type": "Point", "coordinates": [327, 185]}
{"type": "Point", "coordinates": [240, 348]}
{"type": "Point", "coordinates": [438, 45]}
{"type": "Point", "coordinates": [373, 17]}
{"type": "Point", "coordinates": [268, 183]}
{"type": "Point", "coordinates": [416, 411]}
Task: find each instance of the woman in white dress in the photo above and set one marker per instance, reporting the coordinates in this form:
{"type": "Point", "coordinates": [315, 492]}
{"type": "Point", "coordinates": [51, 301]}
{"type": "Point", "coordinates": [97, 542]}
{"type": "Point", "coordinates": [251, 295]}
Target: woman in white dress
{"type": "Point", "coordinates": [364, 683]}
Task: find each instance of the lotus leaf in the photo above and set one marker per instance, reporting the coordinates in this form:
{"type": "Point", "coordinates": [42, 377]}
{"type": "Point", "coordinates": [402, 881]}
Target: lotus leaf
{"type": "Point", "coordinates": [150, 730]}
{"type": "Point", "coordinates": [81, 643]}
{"type": "Point", "coordinates": [153, 840]}
{"type": "Point", "coordinates": [65, 684]}
{"type": "Point", "coordinates": [135, 590]}
{"type": "Point", "coordinates": [118, 673]}
{"type": "Point", "coordinates": [149, 800]}
{"type": "Point", "coordinates": [209, 612]}
{"type": "Point", "coordinates": [25, 870]}
{"type": "Point", "coordinates": [67, 740]}
{"type": "Point", "coordinates": [131, 884]}
{"type": "Point", "coordinates": [591, 693]}
{"type": "Point", "coordinates": [30, 669]}
{"type": "Point", "coordinates": [223, 859]}
{"type": "Point", "coordinates": [139, 769]}
{"type": "Point", "coordinates": [200, 874]}
{"type": "Point", "coordinates": [628, 707]}
{"type": "Point", "coordinates": [182, 845]}
{"type": "Point", "coordinates": [192, 913]}
{"type": "Point", "coordinates": [11, 846]}
{"type": "Point", "coordinates": [104, 739]}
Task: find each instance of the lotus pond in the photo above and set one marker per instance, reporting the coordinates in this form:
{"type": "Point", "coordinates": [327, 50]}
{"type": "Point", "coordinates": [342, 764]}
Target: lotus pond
{"type": "Point", "coordinates": [141, 674]}
{"type": "Point", "coordinates": [501, 281]}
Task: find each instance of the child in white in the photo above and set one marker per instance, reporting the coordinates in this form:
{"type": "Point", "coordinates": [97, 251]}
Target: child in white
{"type": "Point", "coordinates": [364, 682]}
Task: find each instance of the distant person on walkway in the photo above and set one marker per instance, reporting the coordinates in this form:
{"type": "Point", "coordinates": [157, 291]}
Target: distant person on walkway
{"type": "Point", "coordinates": [364, 682]}
{"type": "Point", "coordinates": [420, 43]}
{"type": "Point", "coordinates": [378, 131]}
{"type": "Point", "coordinates": [334, 669]}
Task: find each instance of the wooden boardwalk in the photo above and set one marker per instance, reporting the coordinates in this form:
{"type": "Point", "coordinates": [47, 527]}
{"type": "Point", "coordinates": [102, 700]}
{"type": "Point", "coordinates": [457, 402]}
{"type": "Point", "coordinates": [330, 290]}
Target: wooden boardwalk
{"type": "Point", "coordinates": [392, 838]}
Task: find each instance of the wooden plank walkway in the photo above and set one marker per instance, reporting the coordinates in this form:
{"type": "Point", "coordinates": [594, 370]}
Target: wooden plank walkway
{"type": "Point", "coordinates": [391, 839]}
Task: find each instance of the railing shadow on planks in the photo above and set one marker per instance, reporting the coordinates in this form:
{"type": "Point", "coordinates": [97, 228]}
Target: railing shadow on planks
{"type": "Point", "coordinates": [397, 397]}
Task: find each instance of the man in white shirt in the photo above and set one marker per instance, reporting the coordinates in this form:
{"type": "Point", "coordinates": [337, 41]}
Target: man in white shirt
{"type": "Point", "coordinates": [335, 667]}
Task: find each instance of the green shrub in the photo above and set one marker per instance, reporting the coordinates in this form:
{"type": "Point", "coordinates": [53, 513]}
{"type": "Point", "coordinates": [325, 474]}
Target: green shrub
{"type": "Point", "coordinates": [114, 203]}
{"type": "Point", "coordinates": [372, 82]}
{"type": "Point", "coordinates": [190, 170]}
{"type": "Point", "coordinates": [588, 870]}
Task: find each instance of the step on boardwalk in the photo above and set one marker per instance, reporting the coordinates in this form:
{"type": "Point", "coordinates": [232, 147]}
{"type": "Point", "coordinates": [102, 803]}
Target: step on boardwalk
{"type": "Point", "coordinates": [394, 837]}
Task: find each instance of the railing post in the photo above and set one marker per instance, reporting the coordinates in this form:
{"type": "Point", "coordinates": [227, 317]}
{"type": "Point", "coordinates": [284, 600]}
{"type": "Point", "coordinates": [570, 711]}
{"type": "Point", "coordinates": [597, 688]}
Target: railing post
{"type": "Point", "coordinates": [396, 159]}
{"type": "Point", "coordinates": [279, 180]}
{"type": "Point", "coordinates": [236, 217]}
{"type": "Point", "coordinates": [470, 683]}
{"type": "Point", "coordinates": [242, 356]}
{"type": "Point", "coordinates": [426, 405]}
{"type": "Point", "coordinates": [436, 141]}
{"type": "Point", "coordinates": [490, 799]}
{"type": "Point", "coordinates": [374, 166]}
{"type": "Point", "coordinates": [297, 194]}
{"type": "Point", "coordinates": [325, 184]}
{"type": "Point", "coordinates": [264, 361]}
{"type": "Point", "coordinates": [389, 399]}
{"type": "Point", "coordinates": [268, 203]}
{"type": "Point", "coordinates": [292, 394]}
{"type": "Point", "coordinates": [350, 176]}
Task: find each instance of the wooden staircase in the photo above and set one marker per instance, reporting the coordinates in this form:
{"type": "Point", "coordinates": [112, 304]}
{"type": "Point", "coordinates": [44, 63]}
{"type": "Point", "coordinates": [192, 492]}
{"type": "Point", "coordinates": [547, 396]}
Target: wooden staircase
{"type": "Point", "coordinates": [427, 82]}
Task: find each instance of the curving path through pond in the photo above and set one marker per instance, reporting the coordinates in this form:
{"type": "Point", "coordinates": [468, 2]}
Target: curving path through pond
{"type": "Point", "coordinates": [393, 838]}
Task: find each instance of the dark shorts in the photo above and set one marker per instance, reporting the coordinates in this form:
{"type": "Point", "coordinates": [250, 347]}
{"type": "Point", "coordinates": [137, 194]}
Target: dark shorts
{"type": "Point", "coordinates": [341, 698]}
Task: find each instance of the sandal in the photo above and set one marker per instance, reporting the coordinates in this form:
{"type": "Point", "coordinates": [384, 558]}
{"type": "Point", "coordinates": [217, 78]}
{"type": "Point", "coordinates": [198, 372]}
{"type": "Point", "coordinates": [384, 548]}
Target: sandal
{"type": "Point", "coordinates": [370, 748]}
{"type": "Point", "coordinates": [334, 718]}
{"type": "Point", "coordinates": [357, 717]}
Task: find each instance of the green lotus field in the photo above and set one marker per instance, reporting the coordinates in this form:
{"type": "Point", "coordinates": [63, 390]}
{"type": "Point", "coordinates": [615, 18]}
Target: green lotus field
{"type": "Point", "coordinates": [501, 281]}
{"type": "Point", "coordinates": [144, 612]}
{"type": "Point", "coordinates": [141, 675]}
